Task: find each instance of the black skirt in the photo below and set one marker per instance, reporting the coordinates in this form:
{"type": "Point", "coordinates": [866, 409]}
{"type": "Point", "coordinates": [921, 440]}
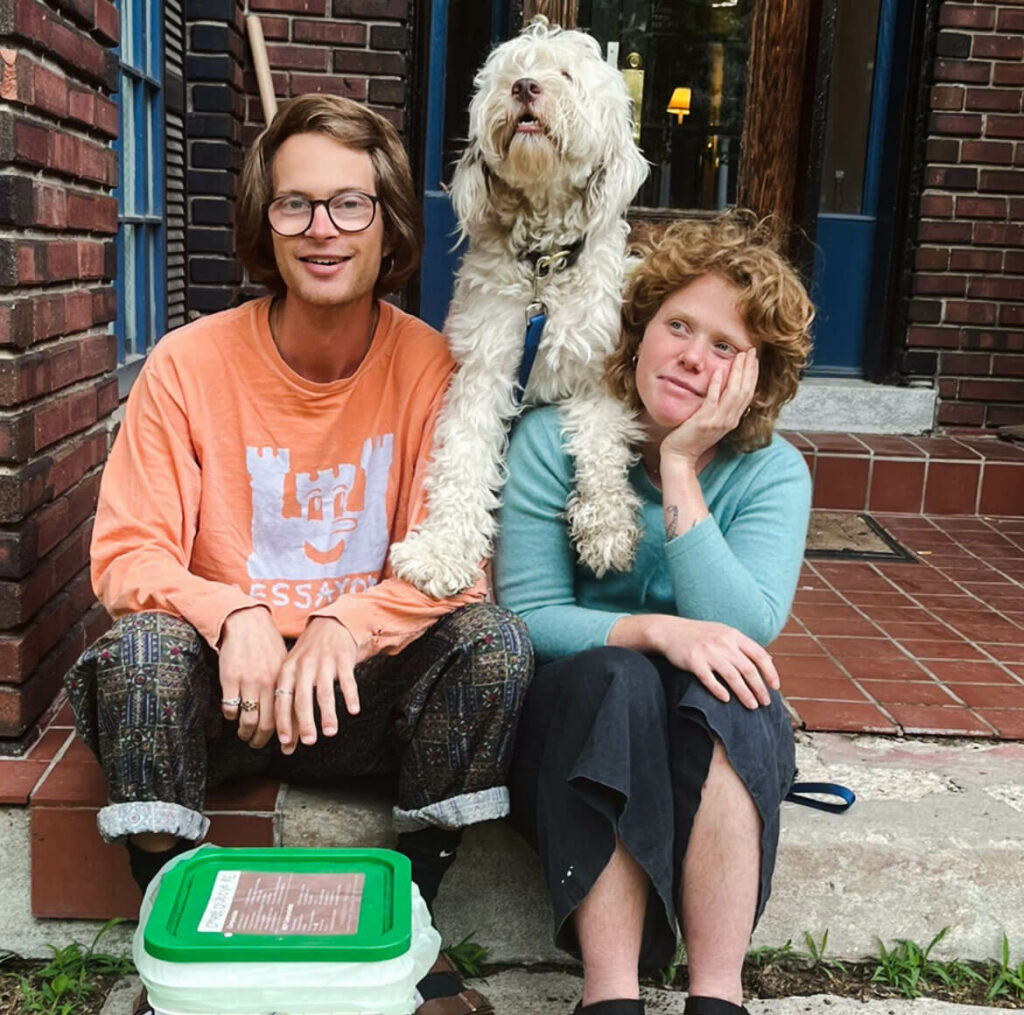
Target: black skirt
{"type": "Point", "coordinates": [616, 744]}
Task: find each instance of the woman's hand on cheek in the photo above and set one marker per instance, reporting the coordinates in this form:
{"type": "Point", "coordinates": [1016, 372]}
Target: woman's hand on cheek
{"type": "Point", "coordinates": [718, 415]}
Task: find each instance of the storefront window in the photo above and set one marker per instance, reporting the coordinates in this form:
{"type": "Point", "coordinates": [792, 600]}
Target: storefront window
{"type": "Point", "coordinates": [664, 48]}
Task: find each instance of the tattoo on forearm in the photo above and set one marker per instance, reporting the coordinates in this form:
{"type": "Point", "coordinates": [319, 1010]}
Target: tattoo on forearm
{"type": "Point", "coordinates": [671, 522]}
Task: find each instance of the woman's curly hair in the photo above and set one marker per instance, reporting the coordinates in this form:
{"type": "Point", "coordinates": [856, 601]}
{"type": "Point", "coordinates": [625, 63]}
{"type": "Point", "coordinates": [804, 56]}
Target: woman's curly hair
{"type": "Point", "coordinates": [773, 303]}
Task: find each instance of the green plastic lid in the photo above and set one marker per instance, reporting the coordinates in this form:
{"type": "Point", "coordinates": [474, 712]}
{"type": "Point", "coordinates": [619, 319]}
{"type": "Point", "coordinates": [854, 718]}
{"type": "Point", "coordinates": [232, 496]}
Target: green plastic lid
{"type": "Point", "coordinates": [282, 905]}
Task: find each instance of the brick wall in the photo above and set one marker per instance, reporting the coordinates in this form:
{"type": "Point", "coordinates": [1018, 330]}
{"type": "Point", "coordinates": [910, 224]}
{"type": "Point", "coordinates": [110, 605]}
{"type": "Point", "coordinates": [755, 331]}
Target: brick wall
{"type": "Point", "coordinates": [58, 219]}
{"type": "Point", "coordinates": [967, 312]}
{"type": "Point", "coordinates": [355, 48]}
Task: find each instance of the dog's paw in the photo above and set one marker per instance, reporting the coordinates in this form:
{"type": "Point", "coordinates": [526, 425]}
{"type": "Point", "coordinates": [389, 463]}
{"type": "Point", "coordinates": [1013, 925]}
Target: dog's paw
{"type": "Point", "coordinates": [432, 566]}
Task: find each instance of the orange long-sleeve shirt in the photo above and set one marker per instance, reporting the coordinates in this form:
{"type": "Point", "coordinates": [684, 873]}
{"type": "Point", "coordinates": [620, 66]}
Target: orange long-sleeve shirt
{"type": "Point", "coordinates": [235, 482]}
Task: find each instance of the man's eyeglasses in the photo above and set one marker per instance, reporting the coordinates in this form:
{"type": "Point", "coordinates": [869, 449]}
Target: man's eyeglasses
{"type": "Point", "coordinates": [351, 211]}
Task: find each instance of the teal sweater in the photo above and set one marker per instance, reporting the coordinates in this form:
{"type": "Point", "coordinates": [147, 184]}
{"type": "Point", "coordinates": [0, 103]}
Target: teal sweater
{"type": "Point", "coordinates": [739, 566]}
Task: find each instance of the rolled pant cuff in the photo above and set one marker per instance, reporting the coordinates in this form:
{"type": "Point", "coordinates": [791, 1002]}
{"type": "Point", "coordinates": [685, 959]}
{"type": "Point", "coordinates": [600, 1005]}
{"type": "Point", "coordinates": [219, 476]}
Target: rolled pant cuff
{"type": "Point", "coordinates": [117, 821]}
{"type": "Point", "coordinates": [455, 812]}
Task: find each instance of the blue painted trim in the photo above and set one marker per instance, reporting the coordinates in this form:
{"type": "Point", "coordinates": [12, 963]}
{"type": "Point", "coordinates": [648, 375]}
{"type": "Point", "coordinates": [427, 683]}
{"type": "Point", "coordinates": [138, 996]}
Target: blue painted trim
{"type": "Point", "coordinates": [499, 18]}
{"type": "Point", "coordinates": [435, 95]}
{"type": "Point", "coordinates": [874, 162]}
{"type": "Point", "coordinates": [141, 240]}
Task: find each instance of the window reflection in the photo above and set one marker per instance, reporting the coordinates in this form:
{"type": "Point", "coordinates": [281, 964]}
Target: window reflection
{"type": "Point", "coordinates": [664, 45]}
{"type": "Point", "coordinates": [849, 107]}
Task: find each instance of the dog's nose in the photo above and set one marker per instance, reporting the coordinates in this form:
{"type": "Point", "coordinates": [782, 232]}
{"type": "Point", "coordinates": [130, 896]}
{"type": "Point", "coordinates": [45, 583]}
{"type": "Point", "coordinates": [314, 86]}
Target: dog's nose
{"type": "Point", "coordinates": [525, 90]}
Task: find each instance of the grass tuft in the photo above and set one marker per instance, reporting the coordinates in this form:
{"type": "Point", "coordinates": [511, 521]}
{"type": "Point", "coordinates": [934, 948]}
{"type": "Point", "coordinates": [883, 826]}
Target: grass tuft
{"type": "Point", "coordinates": [469, 956]}
{"type": "Point", "coordinates": [71, 976]}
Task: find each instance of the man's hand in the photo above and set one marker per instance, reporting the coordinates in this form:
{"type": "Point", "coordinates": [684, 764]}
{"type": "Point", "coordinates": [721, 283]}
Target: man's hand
{"type": "Point", "coordinates": [718, 415]}
{"type": "Point", "coordinates": [251, 653]}
{"type": "Point", "coordinates": [324, 655]}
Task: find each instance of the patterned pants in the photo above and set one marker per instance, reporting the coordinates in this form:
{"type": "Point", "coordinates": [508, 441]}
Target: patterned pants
{"type": "Point", "coordinates": [442, 713]}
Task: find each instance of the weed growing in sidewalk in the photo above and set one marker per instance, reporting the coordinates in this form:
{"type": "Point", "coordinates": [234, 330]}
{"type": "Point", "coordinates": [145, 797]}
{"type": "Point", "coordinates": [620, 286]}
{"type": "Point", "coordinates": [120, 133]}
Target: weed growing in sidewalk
{"type": "Point", "coordinates": [904, 969]}
{"type": "Point", "coordinates": [469, 956]}
{"type": "Point", "coordinates": [910, 970]}
{"type": "Point", "coordinates": [72, 980]}
{"type": "Point", "coordinates": [1007, 981]}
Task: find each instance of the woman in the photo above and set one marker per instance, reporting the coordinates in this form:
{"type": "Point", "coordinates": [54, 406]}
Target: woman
{"type": "Point", "coordinates": [653, 750]}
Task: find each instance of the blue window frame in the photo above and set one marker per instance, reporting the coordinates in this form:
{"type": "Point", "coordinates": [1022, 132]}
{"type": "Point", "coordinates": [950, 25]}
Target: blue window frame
{"type": "Point", "coordinates": [141, 252]}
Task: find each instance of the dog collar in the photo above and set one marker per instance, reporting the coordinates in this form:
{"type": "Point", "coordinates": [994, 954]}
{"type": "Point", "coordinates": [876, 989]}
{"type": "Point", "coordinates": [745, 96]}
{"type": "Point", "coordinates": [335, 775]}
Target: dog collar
{"type": "Point", "coordinates": [550, 262]}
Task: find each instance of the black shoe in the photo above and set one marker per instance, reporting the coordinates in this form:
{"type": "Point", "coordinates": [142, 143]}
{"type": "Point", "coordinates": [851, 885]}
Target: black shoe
{"type": "Point", "coordinates": [712, 1006]}
{"type": "Point", "coordinates": [619, 1006]}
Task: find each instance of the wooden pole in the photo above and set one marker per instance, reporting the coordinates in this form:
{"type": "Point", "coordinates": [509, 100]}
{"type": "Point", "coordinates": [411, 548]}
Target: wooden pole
{"type": "Point", "coordinates": [558, 12]}
{"type": "Point", "coordinates": [262, 67]}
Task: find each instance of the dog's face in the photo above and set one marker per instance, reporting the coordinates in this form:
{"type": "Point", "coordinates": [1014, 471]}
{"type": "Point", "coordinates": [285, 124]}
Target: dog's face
{"type": "Point", "coordinates": [550, 115]}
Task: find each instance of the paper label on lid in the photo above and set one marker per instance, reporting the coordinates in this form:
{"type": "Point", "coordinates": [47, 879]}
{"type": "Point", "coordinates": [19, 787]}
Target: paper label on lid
{"type": "Point", "coordinates": [282, 904]}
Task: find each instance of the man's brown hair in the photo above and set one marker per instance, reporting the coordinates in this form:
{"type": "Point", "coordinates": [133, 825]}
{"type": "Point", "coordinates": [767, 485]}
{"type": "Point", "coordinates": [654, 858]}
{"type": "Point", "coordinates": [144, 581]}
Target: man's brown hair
{"type": "Point", "coordinates": [354, 126]}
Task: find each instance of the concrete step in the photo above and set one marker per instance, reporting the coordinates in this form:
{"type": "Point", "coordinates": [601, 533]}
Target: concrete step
{"type": "Point", "coordinates": [936, 838]}
{"type": "Point", "coordinates": [527, 992]}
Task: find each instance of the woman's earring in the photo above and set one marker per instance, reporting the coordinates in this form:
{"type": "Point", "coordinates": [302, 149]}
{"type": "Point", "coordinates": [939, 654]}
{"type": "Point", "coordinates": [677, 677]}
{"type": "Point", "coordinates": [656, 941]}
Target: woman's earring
{"type": "Point", "coordinates": [634, 359]}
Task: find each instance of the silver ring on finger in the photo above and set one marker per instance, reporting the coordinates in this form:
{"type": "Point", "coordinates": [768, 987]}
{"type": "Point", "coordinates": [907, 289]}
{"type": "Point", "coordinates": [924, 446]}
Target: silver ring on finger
{"type": "Point", "coordinates": [281, 692]}
{"type": "Point", "coordinates": [231, 702]}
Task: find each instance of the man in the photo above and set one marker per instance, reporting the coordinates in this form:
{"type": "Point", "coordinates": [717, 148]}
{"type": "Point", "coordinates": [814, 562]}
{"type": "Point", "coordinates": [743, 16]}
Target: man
{"type": "Point", "coordinates": [268, 457]}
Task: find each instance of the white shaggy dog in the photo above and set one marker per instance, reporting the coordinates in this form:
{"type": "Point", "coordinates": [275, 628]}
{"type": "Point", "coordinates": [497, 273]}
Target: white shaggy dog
{"type": "Point", "coordinates": [541, 193]}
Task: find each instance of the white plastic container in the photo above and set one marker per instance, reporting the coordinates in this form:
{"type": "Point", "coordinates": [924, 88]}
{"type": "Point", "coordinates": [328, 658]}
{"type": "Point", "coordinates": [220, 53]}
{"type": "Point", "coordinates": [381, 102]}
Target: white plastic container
{"type": "Point", "coordinates": [191, 965]}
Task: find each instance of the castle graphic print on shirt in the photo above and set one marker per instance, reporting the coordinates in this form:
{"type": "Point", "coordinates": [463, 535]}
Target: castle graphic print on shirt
{"type": "Point", "coordinates": [328, 539]}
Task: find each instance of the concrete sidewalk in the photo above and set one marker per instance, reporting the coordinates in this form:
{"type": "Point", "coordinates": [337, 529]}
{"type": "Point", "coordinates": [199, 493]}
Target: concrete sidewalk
{"type": "Point", "coordinates": [523, 992]}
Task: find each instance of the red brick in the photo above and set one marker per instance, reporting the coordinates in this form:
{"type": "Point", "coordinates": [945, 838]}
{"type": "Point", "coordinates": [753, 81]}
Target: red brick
{"type": "Point", "coordinates": [1004, 126]}
{"type": "Point", "coordinates": [1008, 74]}
{"type": "Point", "coordinates": [1013, 262]}
{"type": "Point", "coordinates": [964, 312]}
{"type": "Point", "coordinates": [74, 459]}
{"type": "Point", "coordinates": [361, 61]}
{"type": "Point", "coordinates": [64, 514]}
{"type": "Point", "coordinates": [1004, 180]}
{"type": "Point", "coordinates": [309, 58]}
{"type": "Point", "coordinates": [931, 259]}
{"type": "Point", "coordinates": [947, 97]}
{"type": "Point", "coordinates": [963, 16]}
{"type": "Point", "coordinates": [981, 207]}
{"type": "Point", "coordinates": [976, 260]}
{"type": "Point", "coordinates": [944, 232]}
{"type": "Point", "coordinates": [393, 9]}
{"type": "Point", "coordinates": [973, 72]}
{"type": "Point", "coordinates": [1008, 366]}
{"type": "Point", "coordinates": [942, 149]}
{"type": "Point", "coordinates": [995, 234]}
{"type": "Point", "coordinates": [997, 100]}
{"type": "Point", "coordinates": [1011, 316]}
{"type": "Point", "coordinates": [973, 363]}
{"type": "Point", "coordinates": [948, 338]}
{"type": "Point", "coordinates": [93, 110]}
{"type": "Point", "coordinates": [335, 33]}
{"type": "Point", "coordinates": [329, 84]}
{"type": "Point", "coordinates": [936, 206]}
{"type": "Point", "coordinates": [924, 311]}
{"type": "Point", "coordinates": [992, 152]}
{"type": "Point", "coordinates": [940, 285]}
{"type": "Point", "coordinates": [94, 213]}
{"type": "Point", "coordinates": [997, 47]}
{"type": "Point", "coordinates": [996, 288]}
{"type": "Point", "coordinates": [992, 390]}
{"type": "Point", "coordinates": [289, 6]}
{"type": "Point", "coordinates": [106, 21]}
{"type": "Point", "coordinates": [1010, 20]}
{"type": "Point", "coordinates": [960, 414]}
{"type": "Point", "coordinates": [952, 177]}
